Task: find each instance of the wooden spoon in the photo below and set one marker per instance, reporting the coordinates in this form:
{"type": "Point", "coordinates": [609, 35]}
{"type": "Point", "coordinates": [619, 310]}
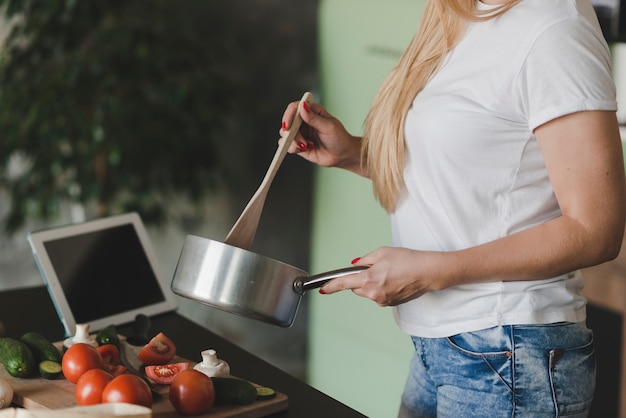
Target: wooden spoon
{"type": "Point", "coordinates": [242, 233]}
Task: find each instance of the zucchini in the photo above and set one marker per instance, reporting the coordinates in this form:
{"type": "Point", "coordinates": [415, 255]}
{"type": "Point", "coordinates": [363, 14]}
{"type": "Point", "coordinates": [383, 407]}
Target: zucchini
{"type": "Point", "coordinates": [41, 348]}
{"type": "Point", "coordinates": [233, 391]}
{"type": "Point", "coordinates": [49, 369]}
{"type": "Point", "coordinates": [16, 357]}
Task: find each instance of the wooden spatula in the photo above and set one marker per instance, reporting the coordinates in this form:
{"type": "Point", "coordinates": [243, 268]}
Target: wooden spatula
{"type": "Point", "coordinates": [242, 233]}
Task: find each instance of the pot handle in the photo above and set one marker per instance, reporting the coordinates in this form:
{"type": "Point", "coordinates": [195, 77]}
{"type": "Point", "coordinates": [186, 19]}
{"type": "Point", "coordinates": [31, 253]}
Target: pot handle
{"type": "Point", "coordinates": [304, 283]}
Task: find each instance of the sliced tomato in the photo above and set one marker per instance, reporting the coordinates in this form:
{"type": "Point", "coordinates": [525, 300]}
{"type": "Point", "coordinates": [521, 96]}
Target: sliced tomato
{"type": "Point", "coordinates": [110, 354]}
{"type": "Point", "coordinates": [164, 374]}
{"type": "Point", "coordinates": [160, 350]}
{"type": "Point", "coordinates": [115, 370]}
{"type": "Point", "coordinates": [111, 358]}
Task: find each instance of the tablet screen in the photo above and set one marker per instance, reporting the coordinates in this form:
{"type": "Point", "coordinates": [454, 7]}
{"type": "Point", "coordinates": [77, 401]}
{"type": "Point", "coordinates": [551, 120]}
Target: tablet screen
{"type": "Point", "coordinates": [104, 272]}
{"type": "Point", "coordinates": [101, 272]}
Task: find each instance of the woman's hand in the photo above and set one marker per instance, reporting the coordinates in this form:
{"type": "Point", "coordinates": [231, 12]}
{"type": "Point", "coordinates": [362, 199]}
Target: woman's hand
{"type": "Point", "coordinates": [323, 139]}
{"type": "Point", "coordinates": [395, 276]}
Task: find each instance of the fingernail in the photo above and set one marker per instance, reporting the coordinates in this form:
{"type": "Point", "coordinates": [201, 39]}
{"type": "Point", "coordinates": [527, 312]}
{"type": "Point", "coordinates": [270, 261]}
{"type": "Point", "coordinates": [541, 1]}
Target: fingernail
{"type": "Point", "coordinates": [356, 260]}
{"type": "Point", "coordinates": [284, 126]}
{"type": "Point", "coordinates": [310, 145]}
{"type": "Point", "coordinates": [322, 291]}
{"type": "Point", "coordinates": [305, 105]}
{"type": "Point", "coordinates": [302, 146]}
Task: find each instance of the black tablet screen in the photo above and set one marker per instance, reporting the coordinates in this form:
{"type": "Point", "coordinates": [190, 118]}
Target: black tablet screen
{"type": "Point", "coordinates": [103, 273]}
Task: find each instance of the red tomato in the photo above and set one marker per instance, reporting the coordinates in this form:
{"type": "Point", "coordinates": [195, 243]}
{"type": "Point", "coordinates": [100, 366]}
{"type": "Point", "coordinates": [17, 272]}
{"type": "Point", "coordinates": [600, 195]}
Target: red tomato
{"type": "Point", "coordinates": [160, 350]}
{"type": "Point", "coordinates": [164, 374]}
{"type": "Point", "coordinates": [111, 358]}
{"type": "Point", "coordinates": [127, 388]}
{"type": "Point", "coordinates": [110, 354]}
{"type": "Point", "coordinates": [115, 370]}
{"type": "Point", "coordinates": [90, 386]}
{"type": "Point", "coordinates": [192, 392]}
{"type": "Point", "coordinates": [78, 359]}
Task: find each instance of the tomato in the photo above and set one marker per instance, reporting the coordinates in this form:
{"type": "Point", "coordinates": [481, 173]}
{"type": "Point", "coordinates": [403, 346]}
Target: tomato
{"type": "Point", "coordinates": [160, 350]}
{"type": "Point", "coordinates": [111, 358]}
{"type": "Point", "coordinates": [192, 392]}
{"type": "Point", "coordinates": [90, 386]}
{"type": "Point", "coordinates": [78, 359]}
{"type": "Point", "coordinates": [115, 370]}
{"type": "Point", "coordinates": [164, 374]}
{"type": "Point", "coordinates": [110, 354]}
{"type": "Point", "coordinates": [127, 388]}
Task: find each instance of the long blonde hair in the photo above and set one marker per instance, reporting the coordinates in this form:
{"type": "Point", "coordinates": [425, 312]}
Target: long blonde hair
{"type": "Point", "coordinates": [442, 25]}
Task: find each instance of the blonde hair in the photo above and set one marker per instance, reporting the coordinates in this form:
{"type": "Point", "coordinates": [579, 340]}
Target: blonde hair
{"type": "Point", "coordinates": [442, 25]}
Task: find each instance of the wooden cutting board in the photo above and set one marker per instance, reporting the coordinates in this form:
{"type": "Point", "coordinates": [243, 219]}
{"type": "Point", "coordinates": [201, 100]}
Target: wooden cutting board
{"type": "Point", "coordinates": [40, 393]}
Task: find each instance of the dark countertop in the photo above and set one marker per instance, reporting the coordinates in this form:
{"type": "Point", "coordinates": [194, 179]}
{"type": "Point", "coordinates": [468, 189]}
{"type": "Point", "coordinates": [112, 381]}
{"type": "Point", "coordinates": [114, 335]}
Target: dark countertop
{"type": "Point", "coordinates": [31, 309]}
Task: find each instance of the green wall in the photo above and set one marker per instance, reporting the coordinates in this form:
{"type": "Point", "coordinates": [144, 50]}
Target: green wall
{"type": "Point", "coordinates": [356, 352]}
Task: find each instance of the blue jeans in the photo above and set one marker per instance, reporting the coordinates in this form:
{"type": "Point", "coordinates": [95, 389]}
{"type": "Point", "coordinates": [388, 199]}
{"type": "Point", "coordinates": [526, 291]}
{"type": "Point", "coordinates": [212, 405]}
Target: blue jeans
{"type": "Point", "coordinates": [511, 371]}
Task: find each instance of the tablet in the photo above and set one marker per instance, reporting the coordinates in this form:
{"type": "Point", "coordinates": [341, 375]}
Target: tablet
{"type": "Point", "coordinates": [101, 272]}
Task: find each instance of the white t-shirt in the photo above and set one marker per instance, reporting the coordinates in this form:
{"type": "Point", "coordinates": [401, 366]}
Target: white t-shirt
{"type": "Point", "coordinates": [474, 172]}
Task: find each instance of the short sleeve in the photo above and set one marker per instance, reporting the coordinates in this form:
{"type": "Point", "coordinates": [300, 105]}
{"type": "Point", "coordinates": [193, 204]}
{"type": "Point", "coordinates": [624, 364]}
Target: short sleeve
{"type": "Point", "coordinates": [567, 70]}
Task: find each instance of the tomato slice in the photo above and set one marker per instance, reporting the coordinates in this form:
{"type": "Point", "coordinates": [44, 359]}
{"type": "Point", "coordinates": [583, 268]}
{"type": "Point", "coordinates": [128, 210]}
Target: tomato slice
{"type": "Point", "coordinates": [110, 354]}
{"type": "Point", "coordinates": [164, 374]}
{"type": "Point", "coordinates": [115, 370]}
{"type": "Point", "coordinates": [160, 350]}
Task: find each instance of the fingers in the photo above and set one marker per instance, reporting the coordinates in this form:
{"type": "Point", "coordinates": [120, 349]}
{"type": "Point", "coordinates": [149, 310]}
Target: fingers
{"type": "Point", "coordinates": [294, 148]}
{"type": "Point", "coordinates": [362, 283]}
{"type": "Point", "coordinates": [288, 115]}
{"type": "Point", "coordinates": [305, 140]}
{"type": "Point", "coordinates": [370, 258]}
{"type": "Point", "coordinates": [348, 282]}
{"type": "Point", "coordinates": [351, 281]}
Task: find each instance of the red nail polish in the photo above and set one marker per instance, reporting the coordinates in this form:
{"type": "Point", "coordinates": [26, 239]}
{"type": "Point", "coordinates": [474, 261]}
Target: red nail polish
{"type": "Point", "coordinates": [305, 105]}
{"type": "Point", "coordinates": [356, 260]}
{"type": "Point", "coordinates": [310, 145]}
{"type": "Point", "coordinates": [322, 291]}
{"type": "Point", "coordinates": [284, 126]}
{"type": "Point", "coordinates": [302, 146]}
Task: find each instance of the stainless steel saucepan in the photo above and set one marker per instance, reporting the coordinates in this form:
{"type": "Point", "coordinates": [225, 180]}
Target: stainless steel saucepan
{"type": "Point", "coordinates": [245, 283]}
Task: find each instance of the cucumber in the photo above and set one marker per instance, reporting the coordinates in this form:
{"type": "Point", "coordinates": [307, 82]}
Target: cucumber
{"type": "Point", "coordinates": [233, 391]}
{"type": "Point", "coordinates": [16, 357]}
{"type": "Point", "coordinates": [49, 369]}
{"type": "Point", "coordinates": [264, 393]}
{"type": "Point", "coordinates": [41, 348]}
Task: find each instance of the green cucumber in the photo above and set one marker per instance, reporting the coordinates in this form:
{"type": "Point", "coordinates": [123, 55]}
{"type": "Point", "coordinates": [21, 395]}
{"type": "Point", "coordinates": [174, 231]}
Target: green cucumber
{"type": "Point", "coordinates": [264, 393]}
{"type": "Point", "coordinates": [233, 391]}
{"type": "Point", "coordinates": [16, 357]}
{"type": "Point", "coordinates": [49, 369]}
{"type": "Point", "coordinates": [41, 348]}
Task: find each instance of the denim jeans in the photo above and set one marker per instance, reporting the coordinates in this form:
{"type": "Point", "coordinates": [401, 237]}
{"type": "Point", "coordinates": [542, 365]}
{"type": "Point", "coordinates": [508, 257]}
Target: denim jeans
{"type": "Point", "coordinates": [510, 371]}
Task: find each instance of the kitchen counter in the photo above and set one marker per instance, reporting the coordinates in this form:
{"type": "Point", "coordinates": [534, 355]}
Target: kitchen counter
{"type": "Point", "coordinates": [31, 309]}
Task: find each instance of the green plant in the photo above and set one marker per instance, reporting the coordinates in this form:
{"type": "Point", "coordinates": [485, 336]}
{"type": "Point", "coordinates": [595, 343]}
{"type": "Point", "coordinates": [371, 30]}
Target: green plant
{"type": "Point", "coordinates": [111, 103]}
